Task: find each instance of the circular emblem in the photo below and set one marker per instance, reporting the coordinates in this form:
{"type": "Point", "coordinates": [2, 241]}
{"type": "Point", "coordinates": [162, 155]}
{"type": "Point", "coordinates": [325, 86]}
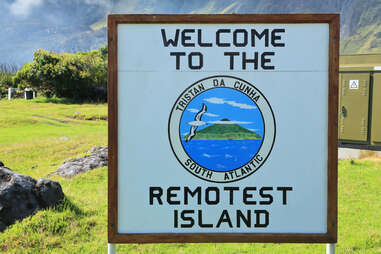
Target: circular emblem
{"type": "Point", "coordinates": [221, 129]}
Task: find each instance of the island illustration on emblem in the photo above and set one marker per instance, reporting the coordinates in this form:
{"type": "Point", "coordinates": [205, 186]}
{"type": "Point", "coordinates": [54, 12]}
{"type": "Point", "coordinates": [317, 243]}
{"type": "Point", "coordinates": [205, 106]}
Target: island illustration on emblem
{"type": "Point", "coordinates": [221, 129]}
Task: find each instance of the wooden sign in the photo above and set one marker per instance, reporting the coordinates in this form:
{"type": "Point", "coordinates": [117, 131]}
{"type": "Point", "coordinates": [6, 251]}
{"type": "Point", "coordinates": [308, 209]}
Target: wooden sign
{"type": "Point", "coordinates": [223, 128]}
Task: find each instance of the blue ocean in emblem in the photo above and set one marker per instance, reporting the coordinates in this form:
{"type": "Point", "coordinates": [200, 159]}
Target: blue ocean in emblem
{"type": "Point", "coordinates": [221, 129]}
{"type": "Point", "coordinates": [222, 155]}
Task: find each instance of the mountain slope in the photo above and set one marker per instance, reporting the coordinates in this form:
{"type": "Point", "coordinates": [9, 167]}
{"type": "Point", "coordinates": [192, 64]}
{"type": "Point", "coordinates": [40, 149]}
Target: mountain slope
{"type": "Point", "coordinates": [80, 25]}
{"type": "Point", "coordinates": [367, 39]}
{"type": "Point", "coordinates": [366, 31]}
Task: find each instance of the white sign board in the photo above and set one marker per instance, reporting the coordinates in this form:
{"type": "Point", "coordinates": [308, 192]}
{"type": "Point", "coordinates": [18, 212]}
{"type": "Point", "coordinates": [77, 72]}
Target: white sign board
{"type": "Point", "coordinates": [222, 127]}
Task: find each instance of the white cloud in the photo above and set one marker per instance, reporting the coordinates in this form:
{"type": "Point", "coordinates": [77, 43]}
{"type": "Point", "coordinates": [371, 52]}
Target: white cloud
{"type": "Point", "coordinates": [210, 114]}
{"type": "Point", "coordinates": [24, 7]}
{"type": "Point", "coordinates": [98, 2]}
{"type": "Point", "coordinates": [229, 122]}
{"type": "Point", "coordinates": [240, 105]}
{"type": "Point", "coordinates": [193, 110]}
{"type": "Point", "coordinates": [216, 100]}
{"type": "Point", "coordinates": [196, 123]}
{"type": "Point", "coordinates": [253, 130]}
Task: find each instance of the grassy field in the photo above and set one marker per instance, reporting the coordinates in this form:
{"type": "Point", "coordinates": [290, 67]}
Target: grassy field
{"type": "Point", "coordinates": [37, 136]}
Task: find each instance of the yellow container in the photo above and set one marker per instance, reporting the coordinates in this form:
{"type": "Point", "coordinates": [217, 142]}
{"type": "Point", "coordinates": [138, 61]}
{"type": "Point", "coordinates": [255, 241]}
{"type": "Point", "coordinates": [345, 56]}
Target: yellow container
{"type": "Point", "coordinates": [359, 110]}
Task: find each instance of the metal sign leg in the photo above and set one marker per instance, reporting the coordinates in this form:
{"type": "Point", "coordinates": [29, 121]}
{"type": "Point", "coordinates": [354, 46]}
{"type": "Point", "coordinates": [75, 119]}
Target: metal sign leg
{"type": "Point", "coordinates": [111, 248]}
{"type": "Point", "coordinates": [330, 249]}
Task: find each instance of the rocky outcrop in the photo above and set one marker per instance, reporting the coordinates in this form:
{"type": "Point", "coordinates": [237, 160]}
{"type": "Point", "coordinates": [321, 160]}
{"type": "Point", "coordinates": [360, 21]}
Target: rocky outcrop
{"type": "Point", "coordinates": [97, 158]}
{"type": "Point", "coordinates": [22, 196]}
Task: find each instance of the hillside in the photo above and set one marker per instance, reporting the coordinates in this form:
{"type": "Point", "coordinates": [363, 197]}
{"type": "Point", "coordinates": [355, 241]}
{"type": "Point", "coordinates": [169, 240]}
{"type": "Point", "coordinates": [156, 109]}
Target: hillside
{"type": "Point", "coordinates": [76, 25]}
{"type": "Point", "coordinates": [226, 131]}
{"type": "Point", "coordinates": [60, 26]}
{"type": "Point", "coordinates": [360, 20]}
{"type": "Point", "coordinates": [365, 36]}
{"type": "Point", "coordinates": [366, 40]}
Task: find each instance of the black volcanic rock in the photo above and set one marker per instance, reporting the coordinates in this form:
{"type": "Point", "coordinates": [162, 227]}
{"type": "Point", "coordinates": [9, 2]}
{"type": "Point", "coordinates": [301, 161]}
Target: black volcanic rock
{"type": "Point", "coordinates": [22, 196]}
{"type": "Point", "coordinates": [225, 120]}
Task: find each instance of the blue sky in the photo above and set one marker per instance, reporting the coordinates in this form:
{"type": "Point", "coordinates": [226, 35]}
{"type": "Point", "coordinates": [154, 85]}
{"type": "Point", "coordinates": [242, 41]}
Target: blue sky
{"type": "Point", "coordinates": [223, 103]}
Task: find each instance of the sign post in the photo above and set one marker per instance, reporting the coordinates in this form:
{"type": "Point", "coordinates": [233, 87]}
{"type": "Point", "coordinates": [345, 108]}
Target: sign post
{"type": "Point", "coordinates": [330, 249]}
{"type": "Point", "coordinates": [111, 248]}
{"type": "Point", "coordinates": [223, 128]}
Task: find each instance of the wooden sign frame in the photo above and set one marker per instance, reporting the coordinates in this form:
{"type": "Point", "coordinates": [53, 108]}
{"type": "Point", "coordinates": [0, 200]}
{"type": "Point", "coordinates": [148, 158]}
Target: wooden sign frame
{"type": "Point", "coordinates": [333, 20]}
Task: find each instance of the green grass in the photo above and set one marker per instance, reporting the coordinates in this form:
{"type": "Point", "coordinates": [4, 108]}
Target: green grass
{"type": "Point", "coordinates": [30, 144]}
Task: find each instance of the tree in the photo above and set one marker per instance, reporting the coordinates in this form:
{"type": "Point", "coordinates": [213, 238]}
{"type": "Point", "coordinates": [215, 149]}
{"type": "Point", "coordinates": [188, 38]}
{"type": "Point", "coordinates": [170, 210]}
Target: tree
{"type": "Point", "coordinates": [80, 76]}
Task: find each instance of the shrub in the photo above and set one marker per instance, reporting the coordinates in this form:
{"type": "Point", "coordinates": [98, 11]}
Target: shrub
{"type": "Point", "coordinates": [3, 92]}
{"type": "Point", "coordinates": [80, 76]}
{"type": "Point", "coordinates": [6, 81]}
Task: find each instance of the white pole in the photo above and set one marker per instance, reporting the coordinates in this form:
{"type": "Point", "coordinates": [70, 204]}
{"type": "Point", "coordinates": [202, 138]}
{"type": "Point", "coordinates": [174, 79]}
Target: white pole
{"type": "Point", "coordinates": [330, 248]}
{"type": "Point", "coordinates": [111, 248]}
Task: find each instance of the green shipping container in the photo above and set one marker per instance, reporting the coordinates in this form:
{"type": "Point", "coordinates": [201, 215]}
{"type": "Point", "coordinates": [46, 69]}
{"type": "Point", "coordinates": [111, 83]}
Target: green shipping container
{"type": "Point", "coordinates": [359, 110]}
